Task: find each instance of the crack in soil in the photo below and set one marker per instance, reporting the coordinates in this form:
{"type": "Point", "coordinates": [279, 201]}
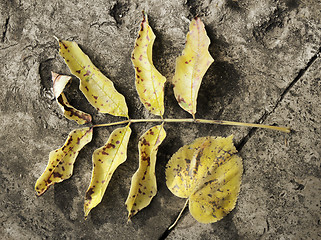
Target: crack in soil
{"type": "Point", "coordinates": [4, 33]}
{"type": "Point", "coordinates": [286, 90]}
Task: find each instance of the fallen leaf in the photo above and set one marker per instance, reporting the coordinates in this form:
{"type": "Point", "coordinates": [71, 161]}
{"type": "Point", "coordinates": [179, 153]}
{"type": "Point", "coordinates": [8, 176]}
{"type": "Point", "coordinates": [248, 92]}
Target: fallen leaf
{"type": "Point", "coordinates": [96, 87]}
{"type": "Point", "coordinates": [208, 172]}
{"type": "Point", "coordinates": [71, 113]}
{"type": "Point", "coordinates": [105, 161]}
{"type": "Point", "coordinates": [143, 186]}
{"type": "Point", "coordinates": [149, 82]}
{"type": "Point", "coordinates": [61, 161]}
{"type": "Point", "coordinates": [191, 66]}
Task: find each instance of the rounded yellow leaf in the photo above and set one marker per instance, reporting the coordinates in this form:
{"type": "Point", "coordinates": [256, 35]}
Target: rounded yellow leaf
{"type": "Point", "coordinates": [208, 173]}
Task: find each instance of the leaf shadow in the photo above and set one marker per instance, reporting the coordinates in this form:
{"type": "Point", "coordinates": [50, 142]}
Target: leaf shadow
{"type": "Point", "coordinates": [221, 82]}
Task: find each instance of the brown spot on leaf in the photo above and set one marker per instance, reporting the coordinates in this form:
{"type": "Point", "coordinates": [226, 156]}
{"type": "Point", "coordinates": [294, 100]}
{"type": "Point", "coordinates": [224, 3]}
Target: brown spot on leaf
{"type": "Point", "coordinates": [179, 99]}
{"type": "Point", "coordinates": [57, 175]}
{"type": "Point", "coordinates": [89, 193]}
{"type": "Point", "coordinates": [110, 145]}
{"type": "Point", "coordinates": [146, 158]}
{"type": "Point", "coordinates": [87, 73]}
{"type": "Point", "coordinates": [145, 142]}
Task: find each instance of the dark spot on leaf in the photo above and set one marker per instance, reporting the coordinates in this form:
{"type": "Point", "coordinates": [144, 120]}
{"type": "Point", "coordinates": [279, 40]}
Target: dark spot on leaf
{"type": "Point", "coordinates": [179, 99]}
{"type": "Point", "coordinates": [57, 175]}
{"type": "Point", "coordinates": [87, 73]}
{"type": "Point", "coordinates": [145, 142]}
{"type": "Point", "coordinates": [89, 193]}
{"type": "Point", "coordinates": [110, 145]}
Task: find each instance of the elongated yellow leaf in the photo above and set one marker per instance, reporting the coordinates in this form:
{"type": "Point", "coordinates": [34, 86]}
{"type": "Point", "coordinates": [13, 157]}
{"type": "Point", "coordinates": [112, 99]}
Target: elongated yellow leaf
{"type": "Point", "coordinates": [105, 161]}
{"type": "Point", "coordinates": [208, 172]}
{"type": "Point", "coordinates": [61, 161]}
{"type": "Point", "coordinates": [143, 186]}
{"type": "Point", "coordinates": [96, 87]}
{"type": "Point", "coordinates": [59, 83]}
{"type": "Point", "coordinates": [191, 66]}
{"type": "Point", "coordinates": [149, 82]}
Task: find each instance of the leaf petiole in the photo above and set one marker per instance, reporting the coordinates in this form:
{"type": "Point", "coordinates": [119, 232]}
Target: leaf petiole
{"type": "Point", "coordinates": [179, 215]}
{"type": "Point", "coordinates": [190, 120]}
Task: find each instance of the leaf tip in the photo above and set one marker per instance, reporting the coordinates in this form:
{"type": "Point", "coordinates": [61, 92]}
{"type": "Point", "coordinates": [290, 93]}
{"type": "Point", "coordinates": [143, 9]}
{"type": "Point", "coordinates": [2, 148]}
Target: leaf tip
{"type": "Point", "coordinates": [145, 19]}
{"type": "Point", "coordinates": [86, 214]}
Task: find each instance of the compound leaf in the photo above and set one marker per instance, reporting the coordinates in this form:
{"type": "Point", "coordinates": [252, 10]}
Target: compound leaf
{"type": "Point", "coordinates": [149, 82]}
{"type": "Point", "coordinates": [105, 161]}
{"type": "Point", "coordinates": [191, 66]}
{"type": "Point", "coordinates": [96, 87]}
{"type": "Point", "coordinates": [71, 113]}
{"type": "Point", "coordinates": [208, 172]}
{"type": "Point", "coordinates": [143, 186]}
{"type": "Point", "coordinates": [61, 161]}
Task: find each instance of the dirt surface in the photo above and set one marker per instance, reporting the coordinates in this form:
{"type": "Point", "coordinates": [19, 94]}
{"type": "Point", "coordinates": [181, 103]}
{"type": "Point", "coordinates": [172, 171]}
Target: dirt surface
{"type": "Point", "coordinates": [267, 69]}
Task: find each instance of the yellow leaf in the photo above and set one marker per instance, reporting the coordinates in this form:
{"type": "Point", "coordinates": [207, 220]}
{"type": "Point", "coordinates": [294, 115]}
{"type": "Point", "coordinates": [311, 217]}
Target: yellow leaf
{"type": "Point", "coordinates": [61, 161]}
{"type": "Point", "coordinates": [143, 186]}
{"type": "Point", "coordinates": [105, 161]}
{"type": "Point", "coordinates": [96, 87]}
{"type": "Point", "coordinates": [208, 172]}
{"type": "Point", "coordinates": [149, 82]}
{"type": "Point", "coordinates": [191, 66]}
{"type": "Point", "coordinates": [59, 83]}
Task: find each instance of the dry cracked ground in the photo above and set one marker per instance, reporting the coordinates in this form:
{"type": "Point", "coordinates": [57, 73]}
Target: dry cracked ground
{"type": "Point", "coordinates": [266, 70]}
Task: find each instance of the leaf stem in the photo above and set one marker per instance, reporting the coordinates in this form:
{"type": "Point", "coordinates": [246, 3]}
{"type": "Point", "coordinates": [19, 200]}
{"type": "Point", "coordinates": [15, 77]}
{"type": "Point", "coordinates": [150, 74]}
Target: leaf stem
{"type": "Point", "coordinates": [190, 120]}
{"type": "Point", "coordinates": [179, 215]}
{"type": "Point", "coordinates": [112, 124]}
